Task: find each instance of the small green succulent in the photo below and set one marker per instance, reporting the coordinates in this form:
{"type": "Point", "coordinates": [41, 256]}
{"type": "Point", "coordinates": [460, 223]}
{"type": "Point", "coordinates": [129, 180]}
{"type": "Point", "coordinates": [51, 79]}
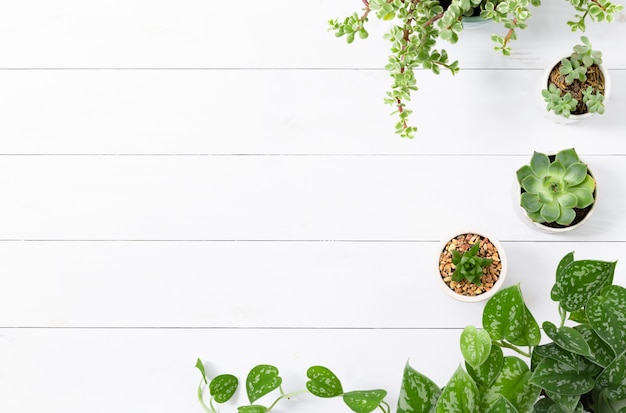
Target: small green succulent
{"type": "Point", "coordinates": [553, 189]}
{"type": "Point", "coordinates": [468, 266]}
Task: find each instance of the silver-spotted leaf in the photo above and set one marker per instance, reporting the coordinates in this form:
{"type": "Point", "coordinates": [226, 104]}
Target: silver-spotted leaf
{"type": "Point", "coordinates": [255, 408]}
{"type": "Point", "coordinates": [558, 377]}
{"type": "Point", "coordinates": [613, 378]}
{"type": "Point", "coordinates": [579, 281]}
{"type": "Point", "coordinates": [567, 403]}
{"type": "Point", "coordinates": [323, 382]}
{"type": "Point", "coordinates": [513, 383]}
{"type": "Point", "coordinates": [261, 380]}
{"type": "Point", "coordinates": [475, 346]}
{"type": "Point", "coordinates": [460, 394]}
{"type": "Point", "coordinates": [606, 312]}
{"type": "Point", "coordinates": [567, 338]}
{"type": "Point", "coordinates": [487, 372]}
{"type": "Point", "coordinates": [223, 387]}
{"type": "Point", "coordinates": [418, 393]}
{"type": "Point", "coordinates": [601, 353]}
{"type": "Point", "coordinates": [364, 401]}
{"type": "Point", "coordinates": [554, 352]}
{"type": "Point", "coordinates": [501, 405]}
{"type": "Point", "coordinates": [506, 316]}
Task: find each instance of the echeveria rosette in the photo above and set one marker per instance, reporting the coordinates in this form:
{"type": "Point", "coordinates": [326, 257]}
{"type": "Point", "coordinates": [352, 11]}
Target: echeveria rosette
{"type": "Point", "coordinates": [554, 189]}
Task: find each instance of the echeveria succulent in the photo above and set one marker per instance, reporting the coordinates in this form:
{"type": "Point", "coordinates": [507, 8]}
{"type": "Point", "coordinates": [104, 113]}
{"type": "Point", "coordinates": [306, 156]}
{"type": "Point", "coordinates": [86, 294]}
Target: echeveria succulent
{"type": "Point", "coordinates": [469, 266]}
{"type": "Point", "coordinates": [553, 189]}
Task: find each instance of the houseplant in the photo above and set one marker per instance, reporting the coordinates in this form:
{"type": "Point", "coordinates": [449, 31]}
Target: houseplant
{"type": "Point", "coordinates": [576, 86]}
{"type": "Point", "coordinates": [471, 266]}
{"type": "Point", "coordinates": [557, 192]}
{"type": "Point", "coordinates": [507, 368]}
{"type": "Point", "coordinates": [418, 24]}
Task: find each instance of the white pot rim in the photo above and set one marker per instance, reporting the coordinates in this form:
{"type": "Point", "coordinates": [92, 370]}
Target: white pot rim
{"type": "Point", "coordinates": [496, 287]}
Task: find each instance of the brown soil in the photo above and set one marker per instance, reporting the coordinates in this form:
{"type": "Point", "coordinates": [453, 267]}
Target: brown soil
{"type": "Point", "coordinates": [462, 243]}
{"type": "Point", "coordinates": [595, 79]}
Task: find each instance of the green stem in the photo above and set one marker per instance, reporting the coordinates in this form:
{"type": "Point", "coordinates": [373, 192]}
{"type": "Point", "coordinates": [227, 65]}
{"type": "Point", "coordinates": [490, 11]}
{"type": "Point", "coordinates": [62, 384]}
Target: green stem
{"type": "Point", "coordinates": [201, 399]}
{"type": "Point", "coordinates": [284, 396]}
{"type": "Point", "coordinates": [563, 315]}
{"type": "Point", "coordinates": [505, 344]}
{"type": "Point", "coordinates": [382, 407]}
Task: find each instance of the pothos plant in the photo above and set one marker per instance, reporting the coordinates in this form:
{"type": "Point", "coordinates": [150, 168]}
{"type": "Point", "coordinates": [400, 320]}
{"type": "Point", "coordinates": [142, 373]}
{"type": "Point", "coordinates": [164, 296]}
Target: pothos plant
{"type": "Point", "coordinates": [418, 24]}
{"type": "Point", "coordinates": [507, 368]}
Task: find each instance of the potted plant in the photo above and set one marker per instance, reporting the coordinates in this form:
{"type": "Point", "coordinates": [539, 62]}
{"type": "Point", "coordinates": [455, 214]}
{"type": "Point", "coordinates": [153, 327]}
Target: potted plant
{"type": "Point", "coordinates": [418, 24]}
{"type": "Point", "coordinates": [576, 87]}
{"type": "Point", "coordinates": [556, 192]}
{"type": "Point", "coordinates": [471, 266]}
{"type": "Point", "coordinates": [581, 368]}
{"type": "Point", "coordinates": [507, 367]}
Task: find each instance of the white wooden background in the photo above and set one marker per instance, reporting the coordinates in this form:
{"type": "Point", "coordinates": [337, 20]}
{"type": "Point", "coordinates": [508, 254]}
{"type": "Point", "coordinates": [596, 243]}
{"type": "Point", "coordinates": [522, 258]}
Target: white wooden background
{"type": "Point", "coordinates": [199, 178]}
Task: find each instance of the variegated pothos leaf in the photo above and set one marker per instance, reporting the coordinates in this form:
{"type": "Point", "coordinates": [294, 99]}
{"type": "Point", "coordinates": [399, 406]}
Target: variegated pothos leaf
{"type": "Point", "coordinates": [513, 383]}
{"type": "Point", "coordinates": [579, 281]}
{"type": "Point", "coordinates": [418, 393]}
{"type": "Point", "coordinates": [606, 312]}
{"type": "Point", "coordinates": [475, 346]}
{"type": "Point", "coordinates": [460, 395]}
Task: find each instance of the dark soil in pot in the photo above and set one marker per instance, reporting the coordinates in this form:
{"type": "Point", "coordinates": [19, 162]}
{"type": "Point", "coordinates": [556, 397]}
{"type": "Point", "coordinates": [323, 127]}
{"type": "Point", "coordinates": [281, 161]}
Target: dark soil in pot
{"type": "Point", "coordinates": [446, 3]}
{"type": "Point", "coordinates": [595, 79]}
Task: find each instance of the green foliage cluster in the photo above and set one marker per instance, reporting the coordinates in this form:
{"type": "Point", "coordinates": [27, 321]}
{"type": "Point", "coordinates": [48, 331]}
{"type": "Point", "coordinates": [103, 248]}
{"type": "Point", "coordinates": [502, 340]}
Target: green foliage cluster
{"type": "Point", "coordinates": [575, 68]}
{"type": "Point", "coordinates": [418, 24]}
{"type": "Point", "coordinates": [265, 379]}
{"type": "Point", "coordinates": [554, 189]}
{"type": "Point", "coordinates": [469, 266]}
{"type": "Point", "coordinates": [581, 368]}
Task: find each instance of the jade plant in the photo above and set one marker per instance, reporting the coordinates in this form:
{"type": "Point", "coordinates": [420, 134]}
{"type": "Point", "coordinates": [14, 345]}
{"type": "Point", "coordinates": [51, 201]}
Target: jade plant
{"type": "Point", "coordinates": [469, 266]}
{"type": "Point", "coordinates": [580, 368]}
{"type": "Point", "coordinates": [553, 189]}
{"type": "Point", "coordinates": [576, 85]}
{"type": "Point", "coordinates": [506, 368]}
{"type": "Point", "coordinates": [418, 24]}
{"type": "Point", "coordinates": [265, 379]}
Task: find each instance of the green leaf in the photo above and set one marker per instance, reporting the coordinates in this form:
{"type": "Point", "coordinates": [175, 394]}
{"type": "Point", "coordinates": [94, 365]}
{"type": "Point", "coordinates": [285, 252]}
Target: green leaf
{"type": "Point", "coordinates": [475, 345]}
{"type": "Point", "coordinates": [561, 378]}
{"type": "Point", "coordinates": [488, 371]}
{"type": "Point", "coordinates": [323, 382]}
{"type": "Point", "coordinates": [255, 408]}
{"type": "Point", "coordinates": [506, 316]}
{"type": "Point", "coordinates": [567, 338]}
{"type": "Point", "coordinates": [200, 366]}
{"type": "Point", "coordinates": [565, 402]}
{"type": "Point", "coordinates": [540, 163]}
{"type": "Point", "coordinates": [575, 173]}
{"type": "Point", "coordinates": [606, 313]}
{"type": "Point", "coordinates": [501, 405]}
{"type": "Point", "coordinates": [261, 380]}
{"type": "Point", "coordinates": [569, 156]}
{"type": "Point", "coordinates": [579, 281]}
{"type": "Point", "coordinates": [223, 387]}
{"type": "Point", "coordinates": [364, 401]}
{"type": "Point", "coordinates": [556, 353]}
{"type": "Point", "coordinates": [418, 393]}
{"type": "Point", "coordinates": [613, 378]}
{"type": "Point", "coordinates": [460, 394]}
{"type": "Point", "coordinates": [601, 353]}
{"type": "Point", "coordinates": [513, 383]}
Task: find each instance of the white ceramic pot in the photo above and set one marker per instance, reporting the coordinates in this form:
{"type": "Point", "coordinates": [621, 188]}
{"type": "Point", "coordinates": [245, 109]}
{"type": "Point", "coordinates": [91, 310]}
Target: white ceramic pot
{"type": "Point", "coordinates": [543, 84]}
{"type": "Point", "coordinates": [481, 297]}
{"type": "Point", "coordinates": [521, 212]}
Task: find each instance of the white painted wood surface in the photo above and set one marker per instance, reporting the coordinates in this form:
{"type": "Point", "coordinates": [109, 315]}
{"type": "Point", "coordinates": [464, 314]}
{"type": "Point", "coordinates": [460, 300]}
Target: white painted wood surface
{"type": "Point", "coordinates": [178, 180]}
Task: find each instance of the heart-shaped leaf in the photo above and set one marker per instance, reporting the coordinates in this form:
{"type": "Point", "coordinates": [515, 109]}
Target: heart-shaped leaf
{"type": "Point", "coordinates": [506, 317]}
{"type": "Point", "coordinates": [606, 312]}
{"type": "Point", "coordinates": [475, 346]}
{"type": "Point", "coordinates": [323, 382]}
{"type": "Point", "coordinates": [223, 387]}
{"type": "Point", "coordinates": [554, 352]}
{"type": "Point", "coordinates": [460, 394]}
{"type": "Point", "coordinates": [255, 408]}
{"type": "Point", "coordinates": [601, 353]}
{"type": "Point", "coordinates": [579, 281]}
{"type": "Point", "coordinates": [513, 383]}
{"type": "Point", "coordinates": [558, 377]}
{"type": "Point", "coordinates": [613, 378]}
{"type": "Point", "coordinates": [565, 402]}
{"type": "Point", "coordinates": [261, 380]}
{"type": "Point", "coordinates": [364, 401]}
{"type": "Point", "coordinates": [418, 393]}
{"type": "Point", "coordinates": [487, 372]}
{"type": "Point", "coordinates": [567, 338]}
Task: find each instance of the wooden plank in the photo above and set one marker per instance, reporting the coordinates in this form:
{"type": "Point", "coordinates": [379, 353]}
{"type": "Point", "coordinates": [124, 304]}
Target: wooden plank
{"type": "Point", "coordinates": [73, 371]}
{"type": "Point", "coordinates": [259, 284]}
{"type": "Point", "coordinates": [209, 33]}
{"type": "Point", "coordinates": [399, 198]}
{"type": "Point", "coordinates": [287, 112]}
